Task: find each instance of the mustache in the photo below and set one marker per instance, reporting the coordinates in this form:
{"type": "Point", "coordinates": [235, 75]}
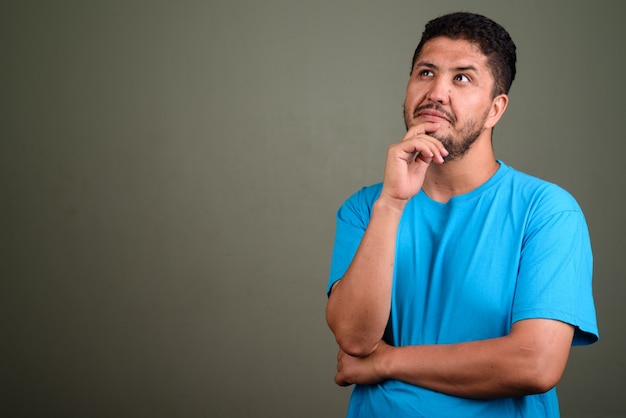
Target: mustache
{"type": "Point", "coordinates": [436, 107]}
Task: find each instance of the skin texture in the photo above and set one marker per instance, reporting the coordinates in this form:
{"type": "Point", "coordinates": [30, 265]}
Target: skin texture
{"type": "Point", "coordinates": [449, 111]}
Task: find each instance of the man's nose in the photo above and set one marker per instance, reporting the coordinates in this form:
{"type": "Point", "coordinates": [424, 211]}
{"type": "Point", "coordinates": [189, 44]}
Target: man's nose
{"type": "Point", "coordinates": [439, 91]}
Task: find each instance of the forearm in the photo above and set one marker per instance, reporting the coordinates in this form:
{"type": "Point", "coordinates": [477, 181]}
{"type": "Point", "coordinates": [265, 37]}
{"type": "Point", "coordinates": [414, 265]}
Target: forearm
{"type": "Point", "coordinates": [532, 360]}
{"type": "Point", "coordinates": [466, 370]}
{"type": "Point", "coordinates": [359, 304]}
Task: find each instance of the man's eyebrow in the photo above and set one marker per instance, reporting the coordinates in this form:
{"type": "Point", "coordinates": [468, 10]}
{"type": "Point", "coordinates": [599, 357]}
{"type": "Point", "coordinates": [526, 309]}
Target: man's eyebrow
{"type": "Point", "coordinates": [427, 64]}
{"type": "Point", "coordinates": [467, 68]}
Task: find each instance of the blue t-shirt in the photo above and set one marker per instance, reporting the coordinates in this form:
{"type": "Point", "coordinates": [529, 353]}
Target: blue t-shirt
{"type": "Point", "coordinates": [515, 248]}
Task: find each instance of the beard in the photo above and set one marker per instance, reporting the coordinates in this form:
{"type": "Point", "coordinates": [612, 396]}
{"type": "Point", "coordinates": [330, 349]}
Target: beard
{"type": "Point", "coordinates": [458, 146]}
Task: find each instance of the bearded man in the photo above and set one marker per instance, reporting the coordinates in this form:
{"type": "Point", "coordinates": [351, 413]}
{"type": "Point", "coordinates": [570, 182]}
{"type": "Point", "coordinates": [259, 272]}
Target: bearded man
{"type": "Point", "coordinates": [458, 284]}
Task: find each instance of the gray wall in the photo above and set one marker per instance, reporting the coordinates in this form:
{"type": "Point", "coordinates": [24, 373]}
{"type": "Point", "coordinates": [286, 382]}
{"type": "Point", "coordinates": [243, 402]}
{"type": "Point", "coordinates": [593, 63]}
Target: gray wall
{"type": "Point", "coordinates": [171, 170]}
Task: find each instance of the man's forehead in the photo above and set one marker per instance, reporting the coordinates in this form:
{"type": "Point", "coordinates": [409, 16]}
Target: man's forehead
{"type": "Point", "coordinates": [448, 49]}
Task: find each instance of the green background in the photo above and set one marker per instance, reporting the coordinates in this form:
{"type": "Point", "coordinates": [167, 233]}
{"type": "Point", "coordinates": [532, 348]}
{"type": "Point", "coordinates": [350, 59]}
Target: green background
{"type": "Point", "coordinates": [170, 173]}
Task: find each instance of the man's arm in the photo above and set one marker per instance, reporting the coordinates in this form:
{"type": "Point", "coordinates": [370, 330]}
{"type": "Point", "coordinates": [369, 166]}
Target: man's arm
{"type": "Point", "coordinates": [530, 359]}
{"type": "Point", "coordinates": [359, 304]}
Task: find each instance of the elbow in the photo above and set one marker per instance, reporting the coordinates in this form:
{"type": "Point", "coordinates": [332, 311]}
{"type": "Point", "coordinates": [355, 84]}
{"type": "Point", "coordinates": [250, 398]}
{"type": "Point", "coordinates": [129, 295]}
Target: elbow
{"type": "Point", "coordinates": [540, 377]}
{"type": "Point", "coordinates": [357, 347]}
{"type": "Point", "coordinates": [352, 342]}
{"type": "Point", "coordinates": [538, 385]}
{"type": "Point", "coordinates": [545, 381]}
{"type": "Point", "coordinates": [355, 344]}
{"type": "Point", "coordinates": [355, 338]}
{"type": "Point", "coordinates": [541, 350]}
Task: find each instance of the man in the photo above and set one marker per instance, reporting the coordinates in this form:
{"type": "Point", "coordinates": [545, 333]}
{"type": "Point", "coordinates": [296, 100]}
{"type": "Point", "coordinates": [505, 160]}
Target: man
{"type": "Point", "coordinates": [458, 284]}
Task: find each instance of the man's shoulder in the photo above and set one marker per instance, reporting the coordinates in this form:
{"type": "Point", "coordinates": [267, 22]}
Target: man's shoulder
{"type": "Point", "coordinates": [357, 209]}
{"type": "Point", "coordinates": [538, 191]}
{"type": "Point", "coordinates": [366, 195]}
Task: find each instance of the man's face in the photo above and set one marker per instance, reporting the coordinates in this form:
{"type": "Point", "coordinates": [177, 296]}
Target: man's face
{"type": "Point", "coordinates": [452, 85]}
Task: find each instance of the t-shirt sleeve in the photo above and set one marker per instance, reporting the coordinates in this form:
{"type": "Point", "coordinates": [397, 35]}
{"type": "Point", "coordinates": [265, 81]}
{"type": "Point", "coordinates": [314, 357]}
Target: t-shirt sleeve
{"type": "Point", "coordinates": [555, 272]}
{"type": "Point", "coordinates": [352, 220]}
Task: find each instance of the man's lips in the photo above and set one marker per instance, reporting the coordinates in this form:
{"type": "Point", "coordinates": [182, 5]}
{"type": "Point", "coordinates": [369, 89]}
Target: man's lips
{"type": "Point", "coordinates": [433, 116]}
{"type": "Point", "coordinates": [433, 113]}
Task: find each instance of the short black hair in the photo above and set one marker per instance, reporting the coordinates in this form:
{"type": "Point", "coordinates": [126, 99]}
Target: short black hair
{"type": "Point", "coordinates": [491, 38]}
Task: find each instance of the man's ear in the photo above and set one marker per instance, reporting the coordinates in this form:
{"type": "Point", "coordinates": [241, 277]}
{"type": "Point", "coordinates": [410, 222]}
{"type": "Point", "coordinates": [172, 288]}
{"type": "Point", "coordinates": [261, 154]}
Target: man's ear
{"type": "Point", "coordinates": [498, 106]}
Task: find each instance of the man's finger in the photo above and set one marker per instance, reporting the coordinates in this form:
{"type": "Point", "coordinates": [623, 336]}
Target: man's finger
{"type": "Point", "coordinates": [423, 128]}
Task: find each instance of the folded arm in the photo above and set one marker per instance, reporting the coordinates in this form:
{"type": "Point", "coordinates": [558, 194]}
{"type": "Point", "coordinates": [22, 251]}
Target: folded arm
{"type": "Point", "coordinates": [530, 359]}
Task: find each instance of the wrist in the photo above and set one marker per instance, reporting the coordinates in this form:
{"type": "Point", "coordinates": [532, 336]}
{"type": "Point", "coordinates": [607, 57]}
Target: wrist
{"type": "Point", "coordinates": [384, 362]}
{"type": "Point", "coordinates": [387, 203]}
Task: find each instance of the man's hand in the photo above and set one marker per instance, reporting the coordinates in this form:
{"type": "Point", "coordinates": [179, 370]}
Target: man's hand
{"type": "Point", "coordinates": [407, 162]}
{"type": "Point", "coordinates": [361, 370]}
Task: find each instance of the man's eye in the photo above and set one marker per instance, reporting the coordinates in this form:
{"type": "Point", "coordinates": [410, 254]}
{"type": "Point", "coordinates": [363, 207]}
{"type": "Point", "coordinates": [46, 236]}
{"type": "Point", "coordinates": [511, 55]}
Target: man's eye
{"type": "Point", "coordinates": [462, 77]}
{"type": "Point", "coordinates": [426, 73]}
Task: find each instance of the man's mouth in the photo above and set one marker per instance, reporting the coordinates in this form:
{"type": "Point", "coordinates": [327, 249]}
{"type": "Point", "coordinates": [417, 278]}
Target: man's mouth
{"type": "Point", "coordinates": [433, 113]}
